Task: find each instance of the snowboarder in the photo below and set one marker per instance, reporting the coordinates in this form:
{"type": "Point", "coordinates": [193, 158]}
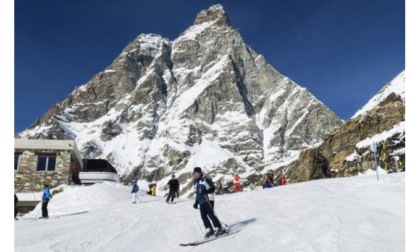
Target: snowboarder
{"type": "Point", "coordinates": [269, 182]}
{"type": "Point", "coordinates": [205, 197]}
{"type": "Point", "coordinates": [16, 210]}
{"type": "Point", "coordinates": [173, 188]}
{"type": "Point", "coordinates": [237, 183]}
{"type": "Point", "coordinates": [46, 197]}
{"type": "Point", "coordinates": [134, 190]}
{"type": "Point", "coordinates": [283, 181]}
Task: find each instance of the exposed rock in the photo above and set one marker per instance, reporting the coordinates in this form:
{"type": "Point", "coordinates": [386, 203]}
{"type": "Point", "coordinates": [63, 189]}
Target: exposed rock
{"type": "Point", "coordinates": [346, 152]}
{"type": "Point", "coordinates": [216, 14]}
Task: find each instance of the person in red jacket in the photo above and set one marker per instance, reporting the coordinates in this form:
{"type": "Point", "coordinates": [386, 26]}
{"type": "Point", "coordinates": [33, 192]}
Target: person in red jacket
{"type": "Point", "coordinates": [283, 181]}
{"type": "Point", "coordinates": [237, 183]}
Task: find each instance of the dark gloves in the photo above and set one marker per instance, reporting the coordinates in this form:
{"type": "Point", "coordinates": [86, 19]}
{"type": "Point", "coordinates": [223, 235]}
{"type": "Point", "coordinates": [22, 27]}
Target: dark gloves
{"type": "Point", "coordinates": [195, 206]}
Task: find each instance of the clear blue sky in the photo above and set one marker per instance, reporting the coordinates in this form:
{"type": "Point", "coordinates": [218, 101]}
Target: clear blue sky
{"type": "Point", "coordinates": [342, 51]}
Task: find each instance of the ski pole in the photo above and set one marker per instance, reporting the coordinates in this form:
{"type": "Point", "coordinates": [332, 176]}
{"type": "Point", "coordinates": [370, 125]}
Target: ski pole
{"type": "Point", "coordinates": [215, 212]}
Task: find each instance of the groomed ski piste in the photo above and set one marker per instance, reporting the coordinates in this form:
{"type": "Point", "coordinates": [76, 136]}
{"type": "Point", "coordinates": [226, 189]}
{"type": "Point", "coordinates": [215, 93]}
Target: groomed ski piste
{"type": "Point", "coordinates": [345, 214]}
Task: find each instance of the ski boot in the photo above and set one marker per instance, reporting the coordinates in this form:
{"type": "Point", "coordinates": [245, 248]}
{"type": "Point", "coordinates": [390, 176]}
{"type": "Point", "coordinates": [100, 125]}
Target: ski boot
{"type": "Point", "coordinates": [219, 232]}
{"type": "Point", "coordinates": [209, 232]}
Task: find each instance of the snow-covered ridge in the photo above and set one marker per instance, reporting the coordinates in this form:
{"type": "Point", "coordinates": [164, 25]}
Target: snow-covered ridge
{"type": "Point", "coordinates": [192, 32]}
{"type": "Point", "coordinates": [397, 86]}
{"type": "Point", "coordinates": [150, 43]}
{"type": "Point", "coordinates": [399, 128]}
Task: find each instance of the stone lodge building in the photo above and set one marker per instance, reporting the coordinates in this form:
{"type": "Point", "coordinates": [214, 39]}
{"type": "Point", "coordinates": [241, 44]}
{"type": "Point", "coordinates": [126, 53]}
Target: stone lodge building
{"type": "Point", "coordinates": [40, 161]}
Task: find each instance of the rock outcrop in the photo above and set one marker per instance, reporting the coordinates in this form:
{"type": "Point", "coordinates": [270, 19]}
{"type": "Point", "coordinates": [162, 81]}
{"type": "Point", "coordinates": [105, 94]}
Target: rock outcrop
{"type": "Point", "coordinates": [347, 151]}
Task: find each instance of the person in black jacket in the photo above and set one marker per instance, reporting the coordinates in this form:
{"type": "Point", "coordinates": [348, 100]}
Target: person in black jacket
{"type": "Point", "coordinates": [173, 189]}
{"type": "Point", "coordinates": [205, 197]}
{"type": "Point", "coordinates": [16, 210]}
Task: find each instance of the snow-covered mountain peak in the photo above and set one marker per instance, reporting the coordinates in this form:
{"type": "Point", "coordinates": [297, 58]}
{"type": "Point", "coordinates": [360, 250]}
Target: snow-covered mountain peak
{"type": "Point", "coordinates": [206, 99]}
{"type": "Point", "coordinates": [215, 14]}
{"type": "Point", "coordinates": [396, 86]}
{"type": "Point", "coordinates": [145, 44]}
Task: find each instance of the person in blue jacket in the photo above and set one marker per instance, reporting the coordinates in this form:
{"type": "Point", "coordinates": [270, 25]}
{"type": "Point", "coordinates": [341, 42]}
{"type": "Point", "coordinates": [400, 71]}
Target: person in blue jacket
{"type": "Point", "coordinates": [270, 180]}
{"type": "Point", "coordinates": [134, 190]}
{"type": "Point", "coordinates": [46, 197]}
{"type": "Point", "coordinates": [205, 197]}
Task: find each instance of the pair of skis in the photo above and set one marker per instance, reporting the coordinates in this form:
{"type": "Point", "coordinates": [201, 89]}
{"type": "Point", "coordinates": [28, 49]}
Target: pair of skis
{"type": "Point", "coordinates": [210, 239]}
{"type": "Point", "coordinates": [55, 216]}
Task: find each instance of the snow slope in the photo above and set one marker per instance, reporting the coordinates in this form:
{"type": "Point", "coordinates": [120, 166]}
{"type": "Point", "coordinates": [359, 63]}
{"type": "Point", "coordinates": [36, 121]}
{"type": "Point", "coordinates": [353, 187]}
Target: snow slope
{"type": "Point", "coordinates": [346, 214]}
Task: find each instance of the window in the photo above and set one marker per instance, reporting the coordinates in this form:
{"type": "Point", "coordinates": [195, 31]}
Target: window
{"type": "Point", "coordinates": [46, 163]}
{"type": "Point", "coordinates": [17, 157]}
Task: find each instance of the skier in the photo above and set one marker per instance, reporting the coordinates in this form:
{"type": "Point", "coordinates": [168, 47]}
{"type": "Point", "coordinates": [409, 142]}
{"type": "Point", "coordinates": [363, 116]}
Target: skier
{"type": "Point", "coordinates": [173, 188]}
{"type": "Point", "coordinates": [46, 197]}
{"type": "Point", "coordinates": [269, 182]}
{"type": "Point", "coordinates": [204, 196]}
{"type": "Point", "coordinates": [134, 190]}
{"type": "Point", "coordinates": [325, 169]}
{"type": "Point", "coordinates": [16, 210]}
{"type": "Point", "coordinates": [283, 181]}
{"type": "Point", "coordinates": [237, 183]}
{"type": "Point", "coordinates": [152, 189]}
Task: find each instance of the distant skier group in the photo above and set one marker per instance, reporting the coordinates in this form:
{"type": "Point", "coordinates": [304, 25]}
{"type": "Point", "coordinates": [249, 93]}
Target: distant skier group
{"type": "Point", "coordinates": [269, 182]}
{"type": "Point", "coordinates": [204, 197]}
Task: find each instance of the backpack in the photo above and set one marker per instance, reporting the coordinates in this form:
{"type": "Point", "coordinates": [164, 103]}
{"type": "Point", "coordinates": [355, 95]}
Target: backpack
{"type": "Point", "coordinates": [137, 188]}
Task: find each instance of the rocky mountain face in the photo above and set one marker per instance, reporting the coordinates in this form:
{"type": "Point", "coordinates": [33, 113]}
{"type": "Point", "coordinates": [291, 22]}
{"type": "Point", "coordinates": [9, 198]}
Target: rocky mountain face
{"type": "Point", "coordinates": [205, 99]}
{"type": "Point", "coordinates": [347, 151]}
